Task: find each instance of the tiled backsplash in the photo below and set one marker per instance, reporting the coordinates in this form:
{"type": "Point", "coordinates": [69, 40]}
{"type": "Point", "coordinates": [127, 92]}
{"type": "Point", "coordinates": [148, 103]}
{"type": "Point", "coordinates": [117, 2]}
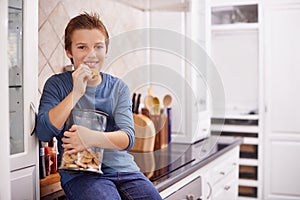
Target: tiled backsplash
{"type": "Point", "coordinates": [53, 18]}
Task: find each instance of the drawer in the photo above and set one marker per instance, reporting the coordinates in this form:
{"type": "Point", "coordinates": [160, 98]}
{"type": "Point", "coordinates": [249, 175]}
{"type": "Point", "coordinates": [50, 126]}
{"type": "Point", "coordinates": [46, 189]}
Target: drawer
{"type": "Point", "coordinates": [227, 188]}
{"type": "Point", "coordinates": [248, 172]}
{"type": "Point", "coordinates": [223, 168]}
{"type": "Point", "coordinates": [247, 191]}
{"type": "Point", "coordinates": [249, 151]}
{"type": "Point", "coordinates": [192, 190]}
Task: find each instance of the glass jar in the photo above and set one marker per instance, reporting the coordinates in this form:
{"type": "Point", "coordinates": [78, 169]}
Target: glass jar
{"type": "Point", "coordinates": [91, 158]}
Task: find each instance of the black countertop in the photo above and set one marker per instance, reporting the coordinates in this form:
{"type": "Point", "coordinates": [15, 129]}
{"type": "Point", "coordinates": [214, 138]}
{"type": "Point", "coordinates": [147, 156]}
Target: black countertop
{"type": "Point", "coordinates": [166, 166]}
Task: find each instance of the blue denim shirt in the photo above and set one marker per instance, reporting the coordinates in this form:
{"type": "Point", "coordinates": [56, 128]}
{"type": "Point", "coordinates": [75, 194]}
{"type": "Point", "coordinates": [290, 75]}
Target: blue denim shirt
{"type": "Point", "coordinates": [111, 96]}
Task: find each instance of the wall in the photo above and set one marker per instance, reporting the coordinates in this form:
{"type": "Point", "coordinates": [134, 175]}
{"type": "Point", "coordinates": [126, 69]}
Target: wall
{"type": "Point", "coordinates": [53, 18]}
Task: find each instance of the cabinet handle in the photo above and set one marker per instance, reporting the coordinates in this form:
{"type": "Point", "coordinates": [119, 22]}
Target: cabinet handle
{"type": "Point", "coordinates": [32, 108]}
{"type": "Point", "coordinates": [210, 190]}
{"type": "Point", "coordinates": [227, 187]}
{"type": "Point", "coordinates": [222, 173]}
{"type": "Point", "coordinates": [189, 197]}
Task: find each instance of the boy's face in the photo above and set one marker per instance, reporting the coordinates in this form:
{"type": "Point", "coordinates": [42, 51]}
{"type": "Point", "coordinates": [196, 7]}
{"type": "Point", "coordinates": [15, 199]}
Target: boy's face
{"type": "Point", "coordinates": [88, 47]}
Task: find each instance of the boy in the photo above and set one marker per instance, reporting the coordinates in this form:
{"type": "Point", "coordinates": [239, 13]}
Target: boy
{"type": "Point", "coordinates": [86, 43]}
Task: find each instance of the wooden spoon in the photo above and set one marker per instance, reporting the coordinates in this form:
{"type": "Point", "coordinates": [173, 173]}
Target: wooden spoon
{"type": "Point", "coordinates": [150, 91]}
{"type": "Point", "coordinates": [167, 101]}
{"type": "Point", "coordinates": [148, 101]}
{"type": "Point", "coordinates": [156, 105]}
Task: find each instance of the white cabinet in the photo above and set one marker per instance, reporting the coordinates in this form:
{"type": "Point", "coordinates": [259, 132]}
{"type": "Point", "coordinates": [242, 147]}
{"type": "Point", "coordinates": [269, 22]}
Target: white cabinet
{"type": "Point", "coordinates": [23, 183]}
{"type": "Point", "coordinates": [282, 97]}
{"type": "Point", "coordinates": [189, 191]}
{"type": "Point", "coordinates": [235, 52]}
{"type": "Point", "coordinates": [285, 176]}
{"type": "Point", "coordinates": [235, 49]}
{"type": "Point", "coordinates": [219, 179]}
{"type": "Point", "coordinates": [4, 104]}
{"type": "Point", "coordinates": [23, 77]}
{"type": "Point", "coordinates": [250, 156]}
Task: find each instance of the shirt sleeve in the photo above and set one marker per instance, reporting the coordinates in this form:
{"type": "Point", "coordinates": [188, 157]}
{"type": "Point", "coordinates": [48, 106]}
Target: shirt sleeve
{"type": "Point", "coordinates": [123, 113]}
{"type": "Point", "coordinates": [50, 98]}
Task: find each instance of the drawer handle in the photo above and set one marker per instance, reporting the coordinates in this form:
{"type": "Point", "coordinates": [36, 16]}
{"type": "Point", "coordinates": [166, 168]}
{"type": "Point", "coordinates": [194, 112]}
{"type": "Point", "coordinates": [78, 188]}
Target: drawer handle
{"type": "Point", "coordinates": [222, 173]}
{"type": "Point", "coordinates": [189, 197]}
{"type": "Point", "coordinates": [227, 187]}
{"type": "Point", "coordinates": [210, 190]}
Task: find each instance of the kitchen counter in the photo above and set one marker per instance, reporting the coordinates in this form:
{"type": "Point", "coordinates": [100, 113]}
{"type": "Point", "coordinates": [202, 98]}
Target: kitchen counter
{"type": "Point", "coordinates": [166, 166]}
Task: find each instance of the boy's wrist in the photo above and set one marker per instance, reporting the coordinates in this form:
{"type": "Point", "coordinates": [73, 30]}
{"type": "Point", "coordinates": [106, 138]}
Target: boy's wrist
{"type": "Point", "coordinates": [75, 98]}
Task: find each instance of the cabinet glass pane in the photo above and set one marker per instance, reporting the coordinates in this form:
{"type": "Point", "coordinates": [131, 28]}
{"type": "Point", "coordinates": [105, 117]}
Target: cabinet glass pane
{"type": "Point", "coordinates": [15, 66]}
{"type": "Point", "coordinates": [234, 14]}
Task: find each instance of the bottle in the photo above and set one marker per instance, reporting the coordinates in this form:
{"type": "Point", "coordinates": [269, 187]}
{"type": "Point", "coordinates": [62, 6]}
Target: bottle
{"type": "Point", "coordinates": [42, 161]}
{"type": "Point", "coordinates": [48, 161]}
{"type": "Point", "coordinates": [53, 156]}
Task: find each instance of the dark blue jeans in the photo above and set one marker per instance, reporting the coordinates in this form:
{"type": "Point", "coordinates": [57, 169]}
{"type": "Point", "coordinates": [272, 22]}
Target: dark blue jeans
{"type": "Point", "coordinates": [111, 187]}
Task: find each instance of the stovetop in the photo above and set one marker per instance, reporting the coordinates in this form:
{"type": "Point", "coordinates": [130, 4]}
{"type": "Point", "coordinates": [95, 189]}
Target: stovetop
{"type": "Point", "coordinates": [166, 163]}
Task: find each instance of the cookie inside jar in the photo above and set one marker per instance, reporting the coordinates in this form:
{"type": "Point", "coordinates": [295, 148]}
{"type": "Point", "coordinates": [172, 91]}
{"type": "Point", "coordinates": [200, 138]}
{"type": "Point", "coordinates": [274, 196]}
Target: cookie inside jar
{"type": "Point", "coordinates": [87, 160]}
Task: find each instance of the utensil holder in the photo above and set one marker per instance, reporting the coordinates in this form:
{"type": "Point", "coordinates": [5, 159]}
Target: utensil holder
{"type": "Point", "coordinates": [161, 128]}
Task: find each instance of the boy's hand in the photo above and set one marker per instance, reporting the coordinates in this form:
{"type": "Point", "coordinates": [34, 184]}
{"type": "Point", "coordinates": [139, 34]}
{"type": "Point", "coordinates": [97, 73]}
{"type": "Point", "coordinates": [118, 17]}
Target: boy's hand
{"type": "Point", "coordinates": [77, 139]}
{"type": "Point", "coordinates": [80, 77]}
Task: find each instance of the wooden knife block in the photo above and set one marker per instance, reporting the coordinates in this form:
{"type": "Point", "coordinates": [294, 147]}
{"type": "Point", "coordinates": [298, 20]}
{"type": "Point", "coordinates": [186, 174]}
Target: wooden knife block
{"type": "Point", "coordinates": [144, 134]}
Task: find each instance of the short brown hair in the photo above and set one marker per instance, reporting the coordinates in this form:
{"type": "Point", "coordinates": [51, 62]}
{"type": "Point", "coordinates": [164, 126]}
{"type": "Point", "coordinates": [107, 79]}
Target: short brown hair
{"type": "Point", "coordinates": [84, 21]}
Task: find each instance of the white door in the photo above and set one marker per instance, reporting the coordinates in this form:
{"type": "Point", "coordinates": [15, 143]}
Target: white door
{"type": "Point", "coordinates": [22, 68]}
{"type": "Point", "coordinates": [4, 104]}
{"type": "Point", "coordinates": [23, 75]}
{"type": "Point", "coordinates": [23, 184]}
{"type": "Point", "coordinates": [282, 90]}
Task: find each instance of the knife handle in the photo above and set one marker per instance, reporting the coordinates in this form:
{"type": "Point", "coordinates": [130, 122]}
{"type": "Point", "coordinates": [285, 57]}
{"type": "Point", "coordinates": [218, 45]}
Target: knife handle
{"type": "Point", "coordinates": [133, 102]}
{"type": "Point", "coordinates": [138, 104]}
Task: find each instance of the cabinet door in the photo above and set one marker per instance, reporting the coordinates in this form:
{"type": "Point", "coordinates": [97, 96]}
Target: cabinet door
{"type": "Point", "coordinates": [23, 75]}
{"type": "Point", "coordinates": [4, 104]}
{"type": "Point", "coordinates": [226, 188]}
{"type": "Point", "coordinates": [282, 128]}
{"type": "Point", "coordinates": [23, 184]}
{"type": "Point", "coordinates": [282, 67]}
{"type": "Point", "coordinates": [191, 190]}
{"type": "Point", "coordinates": [284, 169]}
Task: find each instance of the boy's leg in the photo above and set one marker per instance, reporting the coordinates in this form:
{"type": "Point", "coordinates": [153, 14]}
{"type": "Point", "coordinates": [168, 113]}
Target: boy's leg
{"type": "Point", "coordinates": [136, 186]}
{"type": "Point", "coordinates": [90, 187]}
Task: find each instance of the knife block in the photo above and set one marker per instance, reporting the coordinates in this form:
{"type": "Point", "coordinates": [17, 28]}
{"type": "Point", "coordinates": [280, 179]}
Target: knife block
{"type": "Point", "coordinates": [144, 134]}
{"type": "Point", "coordinates": [161, 129]}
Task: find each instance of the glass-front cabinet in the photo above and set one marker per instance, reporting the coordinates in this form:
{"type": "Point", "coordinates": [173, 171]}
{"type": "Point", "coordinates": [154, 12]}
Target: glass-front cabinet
{"type": "Point", "coordinates": [15, 66]}
{"type": "Point", "coordinates": [22, 63]}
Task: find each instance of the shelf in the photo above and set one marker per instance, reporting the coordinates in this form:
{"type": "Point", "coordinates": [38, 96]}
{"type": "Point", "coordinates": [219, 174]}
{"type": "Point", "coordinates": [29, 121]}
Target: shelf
{"type": "Point", "coordinates": [237, 116]}
{"type": "Point", "coordinates": [249, 183]}
{"type": "Point", "coordinates": [247, 140]}
{"type": "Point", "coordinates": [215, 3]}
{"type": "Point", "coordinates": [247, 198]}
{"type": "Point", "coordinates": [157, 5]}
{"type": "Point", "coordinates": [236, 26]}
{"type": "Point", "coordinates": [235, 128]}
{"type": "Point", "coordinates": [248, 162]}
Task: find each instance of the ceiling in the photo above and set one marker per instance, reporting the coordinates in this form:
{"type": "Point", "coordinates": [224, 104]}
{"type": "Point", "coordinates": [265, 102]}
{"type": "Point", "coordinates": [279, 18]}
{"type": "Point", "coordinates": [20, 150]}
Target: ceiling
{"type": "Point", "coordinates": [159, 5]}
